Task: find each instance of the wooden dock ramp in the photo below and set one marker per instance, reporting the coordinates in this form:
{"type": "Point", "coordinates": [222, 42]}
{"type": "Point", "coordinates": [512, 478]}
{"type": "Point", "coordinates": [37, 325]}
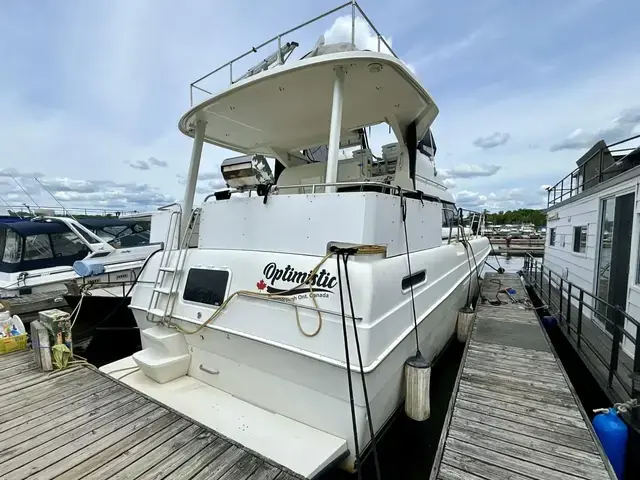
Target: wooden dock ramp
{"type": "Point", "coordinates": [513, 413]}
{"type": "Point", "coordinates": [81, 424]}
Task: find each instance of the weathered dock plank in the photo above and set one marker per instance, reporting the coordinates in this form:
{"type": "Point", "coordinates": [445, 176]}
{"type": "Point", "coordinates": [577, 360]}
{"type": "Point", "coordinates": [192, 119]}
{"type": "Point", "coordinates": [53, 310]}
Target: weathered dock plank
{"type": "Point", "coordinates": [514, 414]}
{"type": "Point", "coordinates": [80, 423]}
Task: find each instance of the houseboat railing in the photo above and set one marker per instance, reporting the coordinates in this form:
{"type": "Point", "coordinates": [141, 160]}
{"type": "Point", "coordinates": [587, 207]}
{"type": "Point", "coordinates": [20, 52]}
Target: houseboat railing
{"type": "Point", "coordinates": [566, 300]}
{"type": "Point", "coordinates": [277, 42]}
{"type": "Point", "coordinates": [574, 183]}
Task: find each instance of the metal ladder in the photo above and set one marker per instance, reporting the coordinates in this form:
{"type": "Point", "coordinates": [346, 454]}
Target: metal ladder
{"type": "Point", "coordinates": [159, 315]}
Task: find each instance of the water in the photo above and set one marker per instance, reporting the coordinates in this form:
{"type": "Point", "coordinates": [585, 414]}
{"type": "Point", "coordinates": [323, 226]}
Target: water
{"type": "Point", "coordinates": [510, 264]}
{"type": "Point", "coordinates": [406, 450]}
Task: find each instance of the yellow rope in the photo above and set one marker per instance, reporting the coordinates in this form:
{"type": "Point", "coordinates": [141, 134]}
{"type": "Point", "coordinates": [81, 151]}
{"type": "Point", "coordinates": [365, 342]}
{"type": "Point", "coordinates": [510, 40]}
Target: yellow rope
{"type": "Point", "coordinates": [361, 250]}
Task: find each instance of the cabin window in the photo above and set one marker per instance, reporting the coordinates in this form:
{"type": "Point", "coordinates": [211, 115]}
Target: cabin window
{"type": "Point", "coordinates": [206, 286]}
{"type": "Point", "coordinates": [68, 245]}
{"type": "Point", "coordinates": [580, 239]}
{"type": "Point", "coordinates": [448, 215]}
{"type": "Point", "coordinates": [414, 279]}
{"type": "Point", "coordinates": [552, 236]}
{"type": "Point", "coordinates": [12, 248]}
{"type": "Point", "coordinates": [37, 247]}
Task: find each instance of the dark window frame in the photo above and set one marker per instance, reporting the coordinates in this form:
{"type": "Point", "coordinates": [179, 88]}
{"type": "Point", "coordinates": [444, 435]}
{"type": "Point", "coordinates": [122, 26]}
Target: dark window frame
{"type": "Point", "coordinates": [552, 237]}
{"type": "Point", "coordinates": [198, 294]}
{"type": "Point", "coordinates": [415, 279]}
{"type": "Point", "coordinates": [578, 245]}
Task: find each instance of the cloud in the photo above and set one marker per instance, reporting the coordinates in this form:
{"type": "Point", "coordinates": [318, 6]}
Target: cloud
{"type": "Point", "coordinates": [469, 171]}
{"type": "Point", "coordinates": [506, 199]}
{"type": "Point", "coordinates": [449, 183]}
{"type": "Point", "coordinates": [621, 127]}
{"type": "Point", "coordinates": [139, 165]}
{"type": "Point", "coordinates": [491, 141]}
{"type": "Point", "coordinates": [365, 38]}
{"type": "Point", "coordinates": [157, 163]}
{"type": "Point", "coordinates": [79, 194]}
{"type": "Point", "coordinates": [146, 165]}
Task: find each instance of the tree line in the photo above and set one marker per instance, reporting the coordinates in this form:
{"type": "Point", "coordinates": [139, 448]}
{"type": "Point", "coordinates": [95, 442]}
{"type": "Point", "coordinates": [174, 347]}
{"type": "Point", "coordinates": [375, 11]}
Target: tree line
{"type": "Point", "coordinates": [516, 217]}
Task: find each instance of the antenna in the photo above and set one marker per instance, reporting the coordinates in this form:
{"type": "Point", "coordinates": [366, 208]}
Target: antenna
{"type": "Point", "coordinates": [25, 192]}
{"type": "Point", "coordinates": [64, 210]}
{"type": "Point", "coordinates": [9, 206]}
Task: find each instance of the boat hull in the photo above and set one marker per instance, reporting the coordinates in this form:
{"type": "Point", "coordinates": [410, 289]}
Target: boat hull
{"type": "Point", "coordinates": [239, 352]}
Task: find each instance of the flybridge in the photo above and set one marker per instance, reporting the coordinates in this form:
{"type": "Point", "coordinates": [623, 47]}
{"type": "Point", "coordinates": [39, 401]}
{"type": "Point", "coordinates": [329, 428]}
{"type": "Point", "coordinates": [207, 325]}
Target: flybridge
{"type": "Point", "coordinates": [283, 51]}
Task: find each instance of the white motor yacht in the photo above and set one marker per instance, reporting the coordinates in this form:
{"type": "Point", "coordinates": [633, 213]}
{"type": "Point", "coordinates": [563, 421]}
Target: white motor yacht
{"type": "Point", "coordinates": [287, 328]}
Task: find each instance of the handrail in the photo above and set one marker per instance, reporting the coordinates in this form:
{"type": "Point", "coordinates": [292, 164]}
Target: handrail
{"type": "Point", "coordinates": [572, 190]}
{"type": "Point", "coordinates": [315, 186]}
{"type": "Point", "coordinates": [278, 38]}
{"type": "Point", "coordinates": [613, 318]}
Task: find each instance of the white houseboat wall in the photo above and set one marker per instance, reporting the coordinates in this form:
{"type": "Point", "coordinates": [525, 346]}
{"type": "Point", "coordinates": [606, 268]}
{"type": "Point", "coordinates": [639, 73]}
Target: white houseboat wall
{"type": "Point", "coordinates": [593, 229]}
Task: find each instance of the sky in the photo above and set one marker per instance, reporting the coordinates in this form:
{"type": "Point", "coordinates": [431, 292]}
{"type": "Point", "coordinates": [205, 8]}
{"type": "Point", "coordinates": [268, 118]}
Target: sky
{"type": "Point", "coordinates": [91, 92]}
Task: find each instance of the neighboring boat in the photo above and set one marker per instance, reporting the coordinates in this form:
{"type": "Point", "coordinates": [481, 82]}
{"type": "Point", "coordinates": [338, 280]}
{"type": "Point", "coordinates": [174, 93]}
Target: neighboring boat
{"type": "Point", "coordinates": [246, 333]}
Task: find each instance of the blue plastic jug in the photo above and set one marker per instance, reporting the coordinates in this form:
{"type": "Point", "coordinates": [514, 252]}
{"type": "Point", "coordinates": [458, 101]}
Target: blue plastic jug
{"type": "Point", "coordinates": [613, 435]}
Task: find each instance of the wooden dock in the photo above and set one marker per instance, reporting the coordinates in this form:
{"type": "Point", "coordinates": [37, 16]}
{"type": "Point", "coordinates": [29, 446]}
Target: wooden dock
{"type": "Point", "coordinates": [80, 423]}
{"type": "Point", "coordinates": [513, 413]}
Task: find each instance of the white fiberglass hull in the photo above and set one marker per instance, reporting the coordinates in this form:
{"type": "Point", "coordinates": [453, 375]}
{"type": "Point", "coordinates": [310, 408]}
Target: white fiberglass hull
{"type": "Point", "coordinates": [252, 351]}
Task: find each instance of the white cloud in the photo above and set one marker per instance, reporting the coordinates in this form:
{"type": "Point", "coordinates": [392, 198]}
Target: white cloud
{"type": "Point", "coordinates": [621, 127]}
{"type": "Point", "coordinates": [491, 141]}
{"type": "Point", "coordinates": [365, 38]}
{"type": "Point", "coordinates": [469, 171]}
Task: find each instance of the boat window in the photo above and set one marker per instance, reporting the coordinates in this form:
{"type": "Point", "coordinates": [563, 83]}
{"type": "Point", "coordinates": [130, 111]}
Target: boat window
{"type": "Point", "coordinates": [12, 248]}
{"type": "Point", "coordinates": [68, 245]}
{"type": "Point", "coordinates": [580, 239]}
{"type": "Point", "coordinates": [552, 236]}
{"type": "Point", "coordinates": [37, 247]}
{"type": "Point", "coordinates": [125, 236]}
{"type": "Point", "coordinates": [86, 235]}
{"type": "Point", "coordinates": [206, 286]}
{"type": "Point", "coordinates": [414, 279]}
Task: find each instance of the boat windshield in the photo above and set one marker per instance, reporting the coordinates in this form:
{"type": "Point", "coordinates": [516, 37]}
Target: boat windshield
{"type": "Point", "coordinates": [120, 233]}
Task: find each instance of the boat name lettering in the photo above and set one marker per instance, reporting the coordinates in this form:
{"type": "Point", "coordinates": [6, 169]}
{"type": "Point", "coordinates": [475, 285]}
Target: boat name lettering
{"type": "Point", "coordinates": [302, 283]}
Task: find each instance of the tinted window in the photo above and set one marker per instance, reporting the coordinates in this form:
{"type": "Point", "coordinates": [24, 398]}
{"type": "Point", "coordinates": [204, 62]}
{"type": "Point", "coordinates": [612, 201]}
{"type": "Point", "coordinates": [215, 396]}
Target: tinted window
{"type": "Point", "coordinates": [206, 286]}
{"type": "Point", "coordinates": [552, 236]}
{"type": "Point", "coordinates": [68, 245]}
{"type": "Point", "coordinates": [37, 247]}
{"type": "Point", "coordinates": [580, 239]}
{"type": "Point", "coordinates": [414, 279]}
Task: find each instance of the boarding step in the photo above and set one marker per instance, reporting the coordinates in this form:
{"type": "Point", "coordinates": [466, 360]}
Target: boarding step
{"type": "Point", "coordinates": [168, 269]}
{"type": "Point", "coordinates": [163, 290]}
{"type": "Point", "coordinates": [166, 341]}
{"type": "Point", "coordinates": [160, 367]}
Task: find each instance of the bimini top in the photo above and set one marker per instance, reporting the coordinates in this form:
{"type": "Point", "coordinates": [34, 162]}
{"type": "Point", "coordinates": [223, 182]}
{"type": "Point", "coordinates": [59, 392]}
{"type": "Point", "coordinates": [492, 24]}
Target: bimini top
{"type": "Point", "coordinates": [28, 245]}
{"type": "Point", "coordinates": [288, 107]}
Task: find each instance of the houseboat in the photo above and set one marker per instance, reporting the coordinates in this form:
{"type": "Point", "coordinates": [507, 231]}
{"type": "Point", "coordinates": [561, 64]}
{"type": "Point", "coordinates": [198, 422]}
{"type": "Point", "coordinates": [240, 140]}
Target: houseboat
{"type": "Point", "coordinates": [288, 327]}
{"type": "Point", "coordinates": [593, 244]}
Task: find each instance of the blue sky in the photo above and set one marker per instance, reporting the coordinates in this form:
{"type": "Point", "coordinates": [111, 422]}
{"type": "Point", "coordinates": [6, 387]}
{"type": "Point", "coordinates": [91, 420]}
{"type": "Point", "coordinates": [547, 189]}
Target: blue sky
{"type": "Point", "coordinates": [91, 92]}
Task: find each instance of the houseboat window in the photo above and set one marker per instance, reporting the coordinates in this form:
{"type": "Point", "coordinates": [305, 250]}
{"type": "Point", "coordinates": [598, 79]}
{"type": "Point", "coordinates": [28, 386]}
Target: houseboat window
{"type": "Point", "coordinates": [206, 286]}
{"type": "Point", "coordinates": [552, 236]}
{"type": "Point", "coordinates": [580, 239]}
{"type": "Point", "coordinates": [12, 248]}
{"type": "Point", "coordinates": [37, 247]}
